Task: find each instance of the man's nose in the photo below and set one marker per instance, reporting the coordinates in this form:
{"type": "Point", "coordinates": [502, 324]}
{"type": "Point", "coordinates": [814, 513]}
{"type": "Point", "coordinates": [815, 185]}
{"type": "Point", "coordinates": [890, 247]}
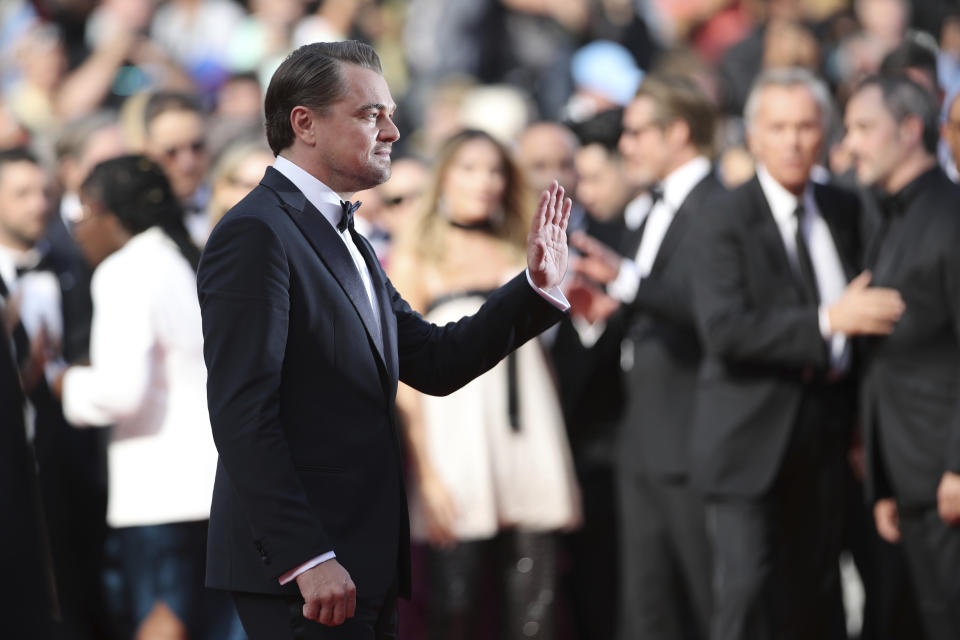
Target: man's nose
{"type": "Point", "coordinates": [389, 133]}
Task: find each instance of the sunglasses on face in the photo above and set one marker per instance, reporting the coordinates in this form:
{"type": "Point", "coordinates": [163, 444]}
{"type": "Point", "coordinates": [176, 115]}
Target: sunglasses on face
{"type": "Point", "coordinates": [399, 199]}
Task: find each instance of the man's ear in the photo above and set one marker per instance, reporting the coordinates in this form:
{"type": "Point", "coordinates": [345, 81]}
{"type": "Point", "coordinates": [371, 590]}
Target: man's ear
{"type": "Point", "coordinates": [678, 133]}
{"type": "Point", "coordinates": [302, 121]}
{"type": "Point", "coordinates": [911, 129]}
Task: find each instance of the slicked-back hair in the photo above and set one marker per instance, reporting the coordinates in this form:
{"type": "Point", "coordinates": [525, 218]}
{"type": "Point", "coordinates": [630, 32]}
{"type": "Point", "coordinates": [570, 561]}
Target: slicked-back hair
{"type": "Point", "coordinates": [310, 77]}
{"type": "Point", "coordinates": [787, 78]}
{"type": "Point", "coordinates": [677, 97]}
{"type": "Point", "coordinates": [904, 97]}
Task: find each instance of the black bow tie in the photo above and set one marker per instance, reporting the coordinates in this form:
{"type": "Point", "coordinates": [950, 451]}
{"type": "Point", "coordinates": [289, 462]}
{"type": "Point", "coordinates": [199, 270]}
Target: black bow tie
{"type": "Point", "coordinates": [346, 222]}
{"type": "Point", "coordinates": [656, 193]}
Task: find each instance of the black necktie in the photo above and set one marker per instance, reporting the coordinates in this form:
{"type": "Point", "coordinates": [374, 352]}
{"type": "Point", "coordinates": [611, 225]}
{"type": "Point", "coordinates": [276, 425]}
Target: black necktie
{"type": "Point", "coordinates": [346, 222]}
{"type": "Point", "coordinates": [807, 272]}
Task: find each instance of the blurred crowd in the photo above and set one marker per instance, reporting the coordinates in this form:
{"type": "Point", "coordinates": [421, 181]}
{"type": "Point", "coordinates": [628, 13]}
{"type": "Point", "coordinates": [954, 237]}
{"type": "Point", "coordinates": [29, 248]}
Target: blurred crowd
{"type": "Point", "coordinates": [733, 434]}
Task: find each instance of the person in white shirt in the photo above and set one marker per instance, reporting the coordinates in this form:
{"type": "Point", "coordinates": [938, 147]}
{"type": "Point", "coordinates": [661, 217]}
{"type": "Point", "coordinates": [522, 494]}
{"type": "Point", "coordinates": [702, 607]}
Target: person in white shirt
{"type": "Point", "coordinates": [147, 378]}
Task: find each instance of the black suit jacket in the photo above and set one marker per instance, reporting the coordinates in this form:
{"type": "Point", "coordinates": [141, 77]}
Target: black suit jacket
{"type": "Point", "coordinates": [911, 388]}
{"type": "Point", "coordinates": [23, 551]}
{"type": "Point", "coordinates": [590, 379]}
{"type": "Point", "coordinates": [661, 328]}
{"type": "Point", "coordinates": [764, 353]}
{"type": "Point", "coordinates": [301, 392]}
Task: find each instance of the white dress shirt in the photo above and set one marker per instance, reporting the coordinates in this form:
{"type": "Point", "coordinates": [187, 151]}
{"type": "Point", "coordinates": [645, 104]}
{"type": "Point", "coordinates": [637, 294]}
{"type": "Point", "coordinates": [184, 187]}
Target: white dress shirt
{"type": "Point", "coordinates": [676, 187]}
{"type": "Point", "coordinates": [827, 267]}
{"type": "Point", "coordinates": [327, 202]}
{"type": "Point", "coordinates": [147, 377]}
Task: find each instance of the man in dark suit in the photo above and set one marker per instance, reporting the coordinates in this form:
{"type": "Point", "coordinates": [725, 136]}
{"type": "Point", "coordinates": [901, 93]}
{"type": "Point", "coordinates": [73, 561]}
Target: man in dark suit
{"type": "Point", "coordinates": [305, 341]}
{"type": "Point", "coordinates": [912, 376]}
{"type": "Point", "coordinates": [776, 400]}
{"type": "Point", "coordinates": [29, 607]}
{"type": "Point", "coordinates": [667, 142]}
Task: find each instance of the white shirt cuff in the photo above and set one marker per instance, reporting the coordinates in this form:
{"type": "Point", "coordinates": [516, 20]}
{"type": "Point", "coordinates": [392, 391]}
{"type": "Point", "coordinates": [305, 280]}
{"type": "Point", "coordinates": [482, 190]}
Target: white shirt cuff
{"type": "Point", "coordinates": [624, 287]}
{"type": "Point", "coordinates": [291, 575]}
{"type": "Point", "coordinates": [554, 296]}
{"type": "Point", "coordinates": [825, 329]}
{"type": "Point", "coordinates": [839, 354]}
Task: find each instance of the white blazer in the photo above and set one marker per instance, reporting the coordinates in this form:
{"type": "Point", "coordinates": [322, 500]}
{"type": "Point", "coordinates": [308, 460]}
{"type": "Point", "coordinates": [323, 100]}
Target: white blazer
{"type": "Point", "coordinates": [147, 378]}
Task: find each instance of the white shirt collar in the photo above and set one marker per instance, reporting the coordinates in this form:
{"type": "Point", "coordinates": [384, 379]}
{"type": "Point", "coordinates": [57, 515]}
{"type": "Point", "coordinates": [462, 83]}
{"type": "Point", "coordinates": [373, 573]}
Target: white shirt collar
{"type": "Point", "coordinates": [9, 259]}
{"type": "Point", "coordinates": [325, 199]}
{"type": "Point", "coordinates": [637, 210]}
{"type": "Point", "coordinates": [681, 181]}
{"type": "Point", "coordinates": [782, 202]}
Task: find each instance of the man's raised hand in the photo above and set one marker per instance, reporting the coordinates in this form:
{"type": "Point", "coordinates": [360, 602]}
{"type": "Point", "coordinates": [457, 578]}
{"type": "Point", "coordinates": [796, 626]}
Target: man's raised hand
{"type": "Point", "coordinates": [547, 241]}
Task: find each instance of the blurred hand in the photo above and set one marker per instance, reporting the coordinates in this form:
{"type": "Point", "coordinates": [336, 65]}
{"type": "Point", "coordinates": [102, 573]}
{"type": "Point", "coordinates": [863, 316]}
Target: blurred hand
{"type": "Point", "coordinates": [855, 458]}
{"type": "Point", "coordinates": [440, 512]}
{"type": "Point", "coordinates": [33, 368]}
{"type": "Point", "coordinates": [866, 310]}
{"type": "Point", "coordinates": [547, 241]}
{"type": "Point", "coordinates": [948, 498]}
{"type": "Point", "coordinates": [887, 520]}
{"type": "Point", "coordinates": [589, 302]}
{"type": "Point", "coordinates": [329, 595]}
{"type": "Point", "coordinates": [10, 310]}
{"type": "Point", "coordinates": [599, 262]}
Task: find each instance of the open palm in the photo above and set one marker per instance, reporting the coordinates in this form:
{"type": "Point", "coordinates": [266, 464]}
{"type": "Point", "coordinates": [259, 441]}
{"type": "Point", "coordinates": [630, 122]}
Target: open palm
{"type": "Point", "coordinates": [547, 241]}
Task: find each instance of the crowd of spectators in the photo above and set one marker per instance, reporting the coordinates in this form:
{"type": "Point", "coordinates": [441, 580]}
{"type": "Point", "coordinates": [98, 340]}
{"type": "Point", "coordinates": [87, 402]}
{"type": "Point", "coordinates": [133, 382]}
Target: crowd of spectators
{"type": "Point", "coordinates": [112, 111]}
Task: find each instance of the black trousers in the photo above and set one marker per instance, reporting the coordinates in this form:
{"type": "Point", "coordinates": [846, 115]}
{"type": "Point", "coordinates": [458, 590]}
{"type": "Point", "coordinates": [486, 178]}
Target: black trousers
{"type": "Point", "coordinates": [776, 571]}
{"type": "Point", "coordinates": [592, 582]}
{"type": "Point", "coordinates": [666, 565]}
{"type": "Point", "coordinates": [933, 557]}
{"type": "Point", "coordinates": [267, 617]}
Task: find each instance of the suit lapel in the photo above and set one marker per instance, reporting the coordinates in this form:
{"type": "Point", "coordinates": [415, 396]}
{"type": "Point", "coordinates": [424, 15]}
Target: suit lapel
{"type": "Point", "coordinates": [389, 328]}
{"type": "Point", "coordinates": [329, 247]}
{"type": "Point", "coordinates": [671, 239]}
{"type": "Point", "coordinates": [678, 226]}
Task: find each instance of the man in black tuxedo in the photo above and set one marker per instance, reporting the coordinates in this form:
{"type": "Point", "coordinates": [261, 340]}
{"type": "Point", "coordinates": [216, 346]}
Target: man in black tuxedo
{"type": "Point", "coordinates": [775, 403]}
{"type": "Point", "coordinates": [911, 379]}
{"type": "Point", "coordinates": [667, 143]}
{"type": "Point", "coordinates": [29, 607]}
{"type": "Point", "coordinates": [305, 341]}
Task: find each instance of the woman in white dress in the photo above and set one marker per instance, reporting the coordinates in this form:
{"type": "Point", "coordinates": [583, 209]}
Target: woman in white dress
{"type": "Point", "coordinates": [493, 481]}
{"type": "Point", "coordinates": [147, 379]}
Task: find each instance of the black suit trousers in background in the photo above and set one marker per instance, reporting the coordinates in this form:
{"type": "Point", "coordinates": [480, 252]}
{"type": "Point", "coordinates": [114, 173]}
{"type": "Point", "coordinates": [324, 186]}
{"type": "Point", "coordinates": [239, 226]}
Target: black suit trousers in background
{"type": "Point", "coordinates": [776, 555]}
{"type": "Point", "coordinates": [933, 553]}
{"type": "Point", "coordinates": [267, 617]}
{"type": "Point", "coordinates": [666, 591]}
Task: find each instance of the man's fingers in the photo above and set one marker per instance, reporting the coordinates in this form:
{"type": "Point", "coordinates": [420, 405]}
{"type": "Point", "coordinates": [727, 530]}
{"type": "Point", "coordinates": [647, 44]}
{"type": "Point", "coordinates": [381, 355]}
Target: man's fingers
{"type": "Point", "coordinates": [590, 246]}
{"type": "Point", "coordinates": [565, 214]}
{"type": "Point", "coordinates": [558, 210]}
{"type": "Point", "coordinates": [351, 601]}
{"type": "Point", "coordinates": [552, 205]}
{"type": "Point", "coordinates": [338, 615]}
{"type": "Point", "coordinates": [539, 219]}
{"type": "Point", "coordinates": [326, 610]}
{"type": "Point", "coordinates": [311, 610]}
{"type": "Point", "coordinates": [861, 281]}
